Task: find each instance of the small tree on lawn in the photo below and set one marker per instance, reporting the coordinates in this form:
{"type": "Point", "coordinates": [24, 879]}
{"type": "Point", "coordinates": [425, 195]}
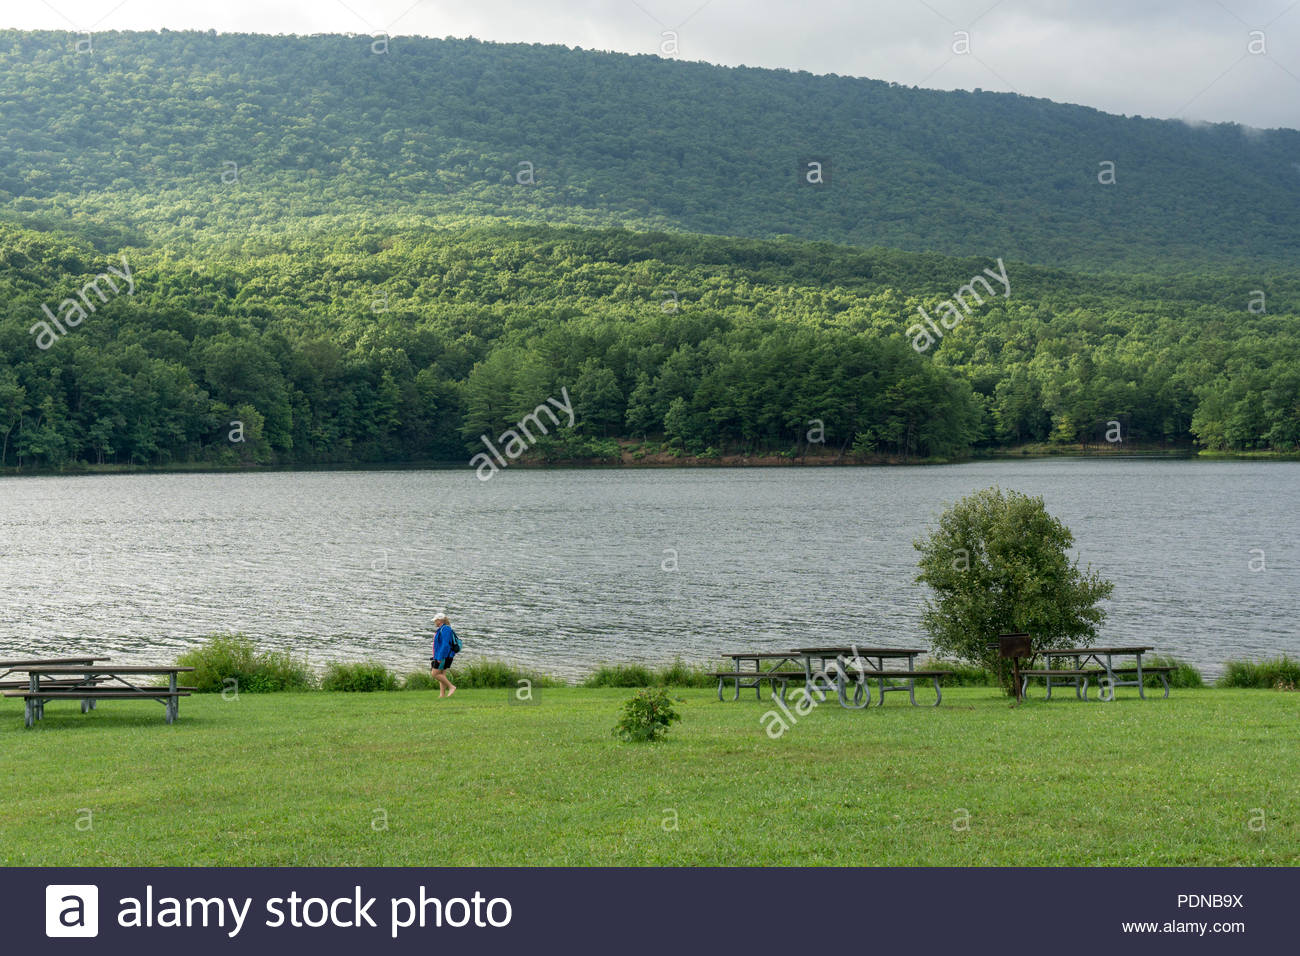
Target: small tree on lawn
{"type": "Point", "coordinates": [998, 564]}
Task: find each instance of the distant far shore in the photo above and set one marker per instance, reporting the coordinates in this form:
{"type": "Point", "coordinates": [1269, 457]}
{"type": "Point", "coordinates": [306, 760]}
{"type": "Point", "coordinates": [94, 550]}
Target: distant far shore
{"type": "Point", "coordinates": [637, 457]}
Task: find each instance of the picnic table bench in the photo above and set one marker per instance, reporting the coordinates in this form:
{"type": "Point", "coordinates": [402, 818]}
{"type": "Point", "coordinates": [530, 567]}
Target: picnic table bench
{"type": "Point", "coordinates": [91, 682]}
{"type": "Point", "coordinates": [888, 681]}
{"type": "Point", "coordinates": [864, 664]}
{"type": "Point", "coordinates": [754, 678]}
{"type": "Point", "coordinates": [825, 668]}
{"type": "Point", "coordinates": [9, 668]}
{"type": "Point", "coordinates": [1103, 668]}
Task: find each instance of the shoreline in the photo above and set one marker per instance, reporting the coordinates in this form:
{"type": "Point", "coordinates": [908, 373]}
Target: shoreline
{"type": "Point", "coordinates": [661, 460]}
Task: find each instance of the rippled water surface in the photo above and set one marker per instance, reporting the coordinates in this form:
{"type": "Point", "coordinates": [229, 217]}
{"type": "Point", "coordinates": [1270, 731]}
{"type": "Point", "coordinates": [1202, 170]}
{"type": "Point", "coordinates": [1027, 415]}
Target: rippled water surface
{"type": "Point", "coordinates": [563, 569]}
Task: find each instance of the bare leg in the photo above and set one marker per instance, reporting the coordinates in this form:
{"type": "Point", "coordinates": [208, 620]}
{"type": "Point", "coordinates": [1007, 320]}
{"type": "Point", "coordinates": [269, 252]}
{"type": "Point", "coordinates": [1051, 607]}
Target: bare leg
{"type": "Point", "coordinates": [446, 687]}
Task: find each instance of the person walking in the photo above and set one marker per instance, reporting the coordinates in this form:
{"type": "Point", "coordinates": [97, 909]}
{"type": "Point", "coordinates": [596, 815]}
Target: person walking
{"type": "Point", "coordinates": [444, 651]}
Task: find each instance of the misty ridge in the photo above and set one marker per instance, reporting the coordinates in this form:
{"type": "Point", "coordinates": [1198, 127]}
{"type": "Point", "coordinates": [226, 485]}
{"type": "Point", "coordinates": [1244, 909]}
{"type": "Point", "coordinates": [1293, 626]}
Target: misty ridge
{"type": "Point", "coordinates": [330, 126]}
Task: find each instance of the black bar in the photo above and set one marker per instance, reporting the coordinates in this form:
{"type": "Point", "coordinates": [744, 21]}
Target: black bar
{"type": "Point", "coordinates": [662, 911]}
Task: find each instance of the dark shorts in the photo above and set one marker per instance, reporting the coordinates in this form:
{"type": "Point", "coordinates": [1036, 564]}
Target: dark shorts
{"type": "Point", "coordinates": [437, 665]}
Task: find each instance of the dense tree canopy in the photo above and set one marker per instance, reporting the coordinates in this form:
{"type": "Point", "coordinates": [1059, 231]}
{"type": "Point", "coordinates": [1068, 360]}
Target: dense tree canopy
{"type": "Point", "coordinates": [173, 133]}
{"type": "Point", "coordinates": [342, 255]}
{"type": "Point", "coordinates": [391, 346]}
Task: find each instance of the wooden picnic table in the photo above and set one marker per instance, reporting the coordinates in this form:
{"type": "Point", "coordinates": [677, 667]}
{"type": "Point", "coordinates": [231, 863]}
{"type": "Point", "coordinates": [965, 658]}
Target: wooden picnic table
{"type": "Point", "coordinates": [93, 681]}
{"type": "Point", "coordinates": [1103, 665]}
{"type": "Point", "coordinates": [754, 678]}
{"type": "Point", "coordinates": [868, 663]}
{"type": "Point", "coordinates": [50, 661]}
{"type": "Point", "coordinates": [860, 664]}
{"type": "Point", "coordinates": [10, 668]}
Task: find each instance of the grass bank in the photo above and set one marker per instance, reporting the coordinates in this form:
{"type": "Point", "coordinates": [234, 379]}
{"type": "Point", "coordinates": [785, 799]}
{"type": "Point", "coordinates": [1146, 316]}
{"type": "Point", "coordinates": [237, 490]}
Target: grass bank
{"type": "Point", "coordinates": [406, 779]}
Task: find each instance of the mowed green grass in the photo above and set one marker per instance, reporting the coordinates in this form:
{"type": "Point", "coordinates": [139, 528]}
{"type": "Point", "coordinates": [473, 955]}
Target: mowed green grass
{"type": "Point", "coordinates": [1206, 777]}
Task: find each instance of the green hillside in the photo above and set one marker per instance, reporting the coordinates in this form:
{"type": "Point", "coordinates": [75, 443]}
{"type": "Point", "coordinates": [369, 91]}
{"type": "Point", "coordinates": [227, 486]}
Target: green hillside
{"type": "Point", "coordinates": [384, 346]}
{"type": "Point", "coordinates": [177, 135]}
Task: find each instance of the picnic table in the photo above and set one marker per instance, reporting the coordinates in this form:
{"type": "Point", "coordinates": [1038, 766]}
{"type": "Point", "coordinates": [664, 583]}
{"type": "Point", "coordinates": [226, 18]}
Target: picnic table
{"type": "Point", "coordinates": [864, 664]}
{"type": "Point", "coordinates": [772, 672]}
{"type": "Point", "coordinates": [8, 669]}
{"type": "Point", "coordinates": [21, 666]}
{"type": "Point", "coordinates": [93, 681]}
{"type": "Point", "coordinates": [834, 665]}
{"type": "Point", "coordinates": [1096, 662]}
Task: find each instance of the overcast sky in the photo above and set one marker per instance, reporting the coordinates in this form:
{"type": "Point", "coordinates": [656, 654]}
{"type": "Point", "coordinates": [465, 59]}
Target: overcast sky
{"type": "Point", "coordinates": [1234, 60]}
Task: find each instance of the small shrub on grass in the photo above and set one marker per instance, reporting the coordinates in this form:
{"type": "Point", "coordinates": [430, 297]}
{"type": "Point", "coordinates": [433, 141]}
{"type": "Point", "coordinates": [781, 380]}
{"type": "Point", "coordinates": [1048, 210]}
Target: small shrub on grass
{"type": "Point", "coordinates": [646, 716]}
{"type": "Point", "coordinates": [620, 675]}
{"type": "Point", "coordinates": [227, 657]}
{"type": "Point", "coordinates": [1267, 674]}
{"type": "Point", "coordinates": [360, 677]}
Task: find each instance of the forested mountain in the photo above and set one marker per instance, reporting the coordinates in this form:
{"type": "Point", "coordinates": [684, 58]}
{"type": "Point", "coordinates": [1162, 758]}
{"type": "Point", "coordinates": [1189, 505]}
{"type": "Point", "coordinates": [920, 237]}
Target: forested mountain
{"type": "Point", "coordinates": [385, 346]}
{"type": "Point", "coordinates": [185, 135]}
{"type": "Point", "coordinates": [224, 249]}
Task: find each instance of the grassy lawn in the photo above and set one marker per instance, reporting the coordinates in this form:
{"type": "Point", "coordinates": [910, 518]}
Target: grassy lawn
{"type": "Point", "coordinates": [405, 779]}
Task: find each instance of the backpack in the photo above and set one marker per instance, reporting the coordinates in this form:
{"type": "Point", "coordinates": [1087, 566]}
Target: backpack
{"type": "Point", "coordinates": [455, 642]}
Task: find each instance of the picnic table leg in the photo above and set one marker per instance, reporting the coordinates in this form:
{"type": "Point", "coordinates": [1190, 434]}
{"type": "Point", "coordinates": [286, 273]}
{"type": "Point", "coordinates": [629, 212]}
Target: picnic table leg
{"type": "Point", "coordinates": [1141, 690]}
{"type": "Point", "coordinates": [861, 690]}
{"type": "Point", "coordinates": [1106, 691]}
{"type": "Point", "coordinates": [861, 686]}
{"type": "Point", "coordinates": [29, 713]}
{"type": "Point", "coordinates": [173, 702]}
{"type": "Point", "coordinates": [36, 704]}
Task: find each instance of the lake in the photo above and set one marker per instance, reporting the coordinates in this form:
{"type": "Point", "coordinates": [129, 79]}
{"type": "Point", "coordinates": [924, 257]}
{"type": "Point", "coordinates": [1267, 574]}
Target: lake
{"type": "Point", "coordinates": [561, 569]}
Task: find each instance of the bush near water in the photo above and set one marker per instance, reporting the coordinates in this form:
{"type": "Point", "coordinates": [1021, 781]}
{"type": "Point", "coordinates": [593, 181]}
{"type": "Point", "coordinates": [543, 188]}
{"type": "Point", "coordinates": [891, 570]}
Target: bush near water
{"type": "Point", "coordinates": [1278, 673]}
{"type": "Point", "coordinates": [223, 658]}
{"type": "Point", "coordinates": [359, 676]}
{"type": "Point", "coordinates": [233, 657]}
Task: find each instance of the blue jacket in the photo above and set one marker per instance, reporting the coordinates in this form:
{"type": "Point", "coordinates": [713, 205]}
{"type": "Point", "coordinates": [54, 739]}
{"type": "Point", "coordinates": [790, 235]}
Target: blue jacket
{"type": "Point", "coordinates": [442, 643]}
